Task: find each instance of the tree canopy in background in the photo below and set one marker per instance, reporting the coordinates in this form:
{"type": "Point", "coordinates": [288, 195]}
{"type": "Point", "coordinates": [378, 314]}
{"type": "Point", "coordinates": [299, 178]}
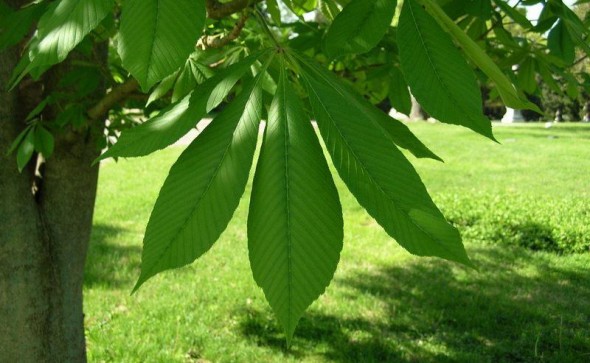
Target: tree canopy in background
{"type": "Point", "coordinates": [174, 62]}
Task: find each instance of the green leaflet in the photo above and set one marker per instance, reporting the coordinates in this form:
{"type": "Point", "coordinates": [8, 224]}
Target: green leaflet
{"type": "Point", "coordinates": [63, 26]}
{"type": "Point", "coordinates": [396, 131]}
{"type": "Point", "coordinates": [157, 36]}
{"type": "Point", "coordinates": [44, 141]}
{"type": "Point", "coordinates": [399, 95]}
{"type": "Point", "coordinates": [526, 75]}
{"type": "Point", "coordinates": [203, 188]}
{"type": "Point", "coordinates": [359, 27]}
{"type": "Point", "coordinates": [176, 120]}
{"type": "Point", "coordinates": [295, 226]}
{"type": "Point", "coordinates": [479, 8]}
{"type": "Point", "coordinates": [560, 43]}
{"type": "Point", "coordinates": [578, 31]}
{"type": "Point", "coordinates": [25, 149]}
{"type": "Point", "coordinates": [273, 9]}
{"type": "Point", "coordinates": [440, 79]}
{"type": "Point", "coordinates": [379, 176]}
{"type": "Point", "coordinates": [505, 88]}
{"type": "Point", "coordinates": [15, 25]}
{"type": "Point", "coordinates": [514, 14]}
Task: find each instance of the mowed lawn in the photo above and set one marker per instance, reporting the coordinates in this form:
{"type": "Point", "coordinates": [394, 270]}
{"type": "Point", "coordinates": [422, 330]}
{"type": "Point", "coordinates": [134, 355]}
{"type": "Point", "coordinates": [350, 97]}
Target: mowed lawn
{"type": "Point", "coordinates": [512, 201]}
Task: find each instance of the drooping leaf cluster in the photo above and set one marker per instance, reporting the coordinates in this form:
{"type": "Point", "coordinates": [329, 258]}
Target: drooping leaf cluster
{"type": "Point", "coordinates": [305, 81]}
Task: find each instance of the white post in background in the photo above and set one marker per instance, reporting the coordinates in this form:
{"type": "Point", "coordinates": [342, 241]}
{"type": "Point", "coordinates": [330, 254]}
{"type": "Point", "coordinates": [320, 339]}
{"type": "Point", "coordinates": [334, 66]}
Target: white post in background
{"type": "Point", "coordinates": [512, 115]}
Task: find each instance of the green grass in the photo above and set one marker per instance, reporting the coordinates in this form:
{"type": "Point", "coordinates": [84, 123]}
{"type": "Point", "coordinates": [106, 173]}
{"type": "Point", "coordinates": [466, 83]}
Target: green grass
{"type": "Point", "coordinates": [384, 304]}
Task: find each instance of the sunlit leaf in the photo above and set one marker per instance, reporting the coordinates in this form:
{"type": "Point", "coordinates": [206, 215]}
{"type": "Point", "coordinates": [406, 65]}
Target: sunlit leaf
{"type": "Point", "coordinates": [295, 226]}
{"type": "Point", "coordinates": [203, 188]}
{"type": "Point", "coordinates": [157, 36]}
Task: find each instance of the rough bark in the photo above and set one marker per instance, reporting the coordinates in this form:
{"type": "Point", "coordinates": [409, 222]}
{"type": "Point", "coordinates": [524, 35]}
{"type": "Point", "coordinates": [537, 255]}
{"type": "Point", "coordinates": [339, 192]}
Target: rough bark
{"type": "Point", "coordinates": [43, 236]}
{"type": "Point", "coordinates": [23, 304]}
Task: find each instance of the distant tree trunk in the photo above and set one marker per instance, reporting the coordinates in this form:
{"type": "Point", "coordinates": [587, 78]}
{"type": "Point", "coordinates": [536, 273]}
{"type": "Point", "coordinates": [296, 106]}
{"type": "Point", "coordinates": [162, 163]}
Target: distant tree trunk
{"type": "Point", "coordinates": [417, 112]}
{"type": "Point", "coordinates": [43, 236]}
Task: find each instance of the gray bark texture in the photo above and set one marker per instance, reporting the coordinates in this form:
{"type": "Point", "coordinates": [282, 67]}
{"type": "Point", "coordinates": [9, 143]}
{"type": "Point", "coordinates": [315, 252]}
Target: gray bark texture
{"type": "Point", "coordinates": [43, 235]}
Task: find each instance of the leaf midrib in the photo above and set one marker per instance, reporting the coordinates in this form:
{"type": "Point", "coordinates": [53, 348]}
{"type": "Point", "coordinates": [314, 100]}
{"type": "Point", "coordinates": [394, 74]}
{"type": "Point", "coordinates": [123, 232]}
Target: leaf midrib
{"type": "Point", "coordinates": [287, 205]}
{"type": "Point", "coordinates": [153, 42]}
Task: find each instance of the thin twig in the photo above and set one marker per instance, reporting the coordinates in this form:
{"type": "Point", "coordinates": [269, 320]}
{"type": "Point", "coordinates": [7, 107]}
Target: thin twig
{"type": "Point", "coordinates": [218, 41]}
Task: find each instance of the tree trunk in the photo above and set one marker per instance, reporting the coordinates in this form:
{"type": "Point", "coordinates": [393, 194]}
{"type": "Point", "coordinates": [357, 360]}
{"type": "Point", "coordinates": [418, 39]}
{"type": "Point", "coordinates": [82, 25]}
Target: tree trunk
{"type": "Point", "coordinates": [43, 237]}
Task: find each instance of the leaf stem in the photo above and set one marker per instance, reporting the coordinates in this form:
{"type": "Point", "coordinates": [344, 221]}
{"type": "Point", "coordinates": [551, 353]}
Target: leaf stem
{"type": "Point", "coordinates": [266, 28]}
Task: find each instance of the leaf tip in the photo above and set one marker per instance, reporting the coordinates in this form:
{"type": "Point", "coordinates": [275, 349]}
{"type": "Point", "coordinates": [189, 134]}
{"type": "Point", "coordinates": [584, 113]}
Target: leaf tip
{"type": "Point", "coordinates": [139, 283]}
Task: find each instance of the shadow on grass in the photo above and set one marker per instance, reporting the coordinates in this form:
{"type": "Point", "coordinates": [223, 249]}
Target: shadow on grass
{"type": "Point", "coordinates": [109, 265]}
{"type": "Point", "coordinates": [528, 234]}
{"type": "Point", "coordinates": [517, 308]}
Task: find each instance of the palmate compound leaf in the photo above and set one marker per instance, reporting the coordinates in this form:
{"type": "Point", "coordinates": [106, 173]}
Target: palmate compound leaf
{"type": "Point", "coordinates": [157, 36]}
{"type": "Point", "coordinates": [175, 121]}
{"type": "Point", "coordinates": [359, 27]}
{"type": "Point", "coordinates": [439, 77]}
{"type": "Point", "coordinates": [377, 173]}
{"type": "Point", "coordinates": [204, 187]}
{"type": "Point", "coordinates": [295, 226]}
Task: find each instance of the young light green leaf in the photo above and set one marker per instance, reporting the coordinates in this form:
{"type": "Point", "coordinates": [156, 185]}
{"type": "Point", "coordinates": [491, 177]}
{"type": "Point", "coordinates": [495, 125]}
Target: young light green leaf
{"type": "Point", "coordinates": [378, 174]}
{"type": "Point", "coordinates": [295, 226]}
{"type": "Point", "coordinates": [185, 82]}
{"type": "Point", "coordinates": [176, 120]}
{"type": "Point", "coordinates": [25, 150]}
{"type": "Point", "coordinates": [203, 188]}
{"type": "Point", "coordinates": [44, 141]}
{"type": "Point", "coordinates": [157, 36]}
{"type": "Point", "coordinates": [505, 88]}
{"type": "Point", "coordinates": [439, 77]}
{"type": "Point", "coordinates": [162, 88]}
{"type": "Point", "coordinates": [359, 27]}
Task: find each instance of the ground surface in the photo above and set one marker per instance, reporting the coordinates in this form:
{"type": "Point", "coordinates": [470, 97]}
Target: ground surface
{"type": "Point", "coordinates": [523, 305]}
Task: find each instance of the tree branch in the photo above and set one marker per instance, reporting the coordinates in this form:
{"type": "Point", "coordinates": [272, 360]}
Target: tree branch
{"type": "Point", "coordinates": [218, 10]}
{"type": "Point", "coordinates": [219, 41]}
{"type": "Point", "coordinates": [117, 94]}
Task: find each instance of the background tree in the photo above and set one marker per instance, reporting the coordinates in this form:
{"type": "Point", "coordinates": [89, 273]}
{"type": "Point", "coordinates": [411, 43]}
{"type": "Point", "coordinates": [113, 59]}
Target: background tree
{"type": "Point", "coordinates": [178, 61]}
